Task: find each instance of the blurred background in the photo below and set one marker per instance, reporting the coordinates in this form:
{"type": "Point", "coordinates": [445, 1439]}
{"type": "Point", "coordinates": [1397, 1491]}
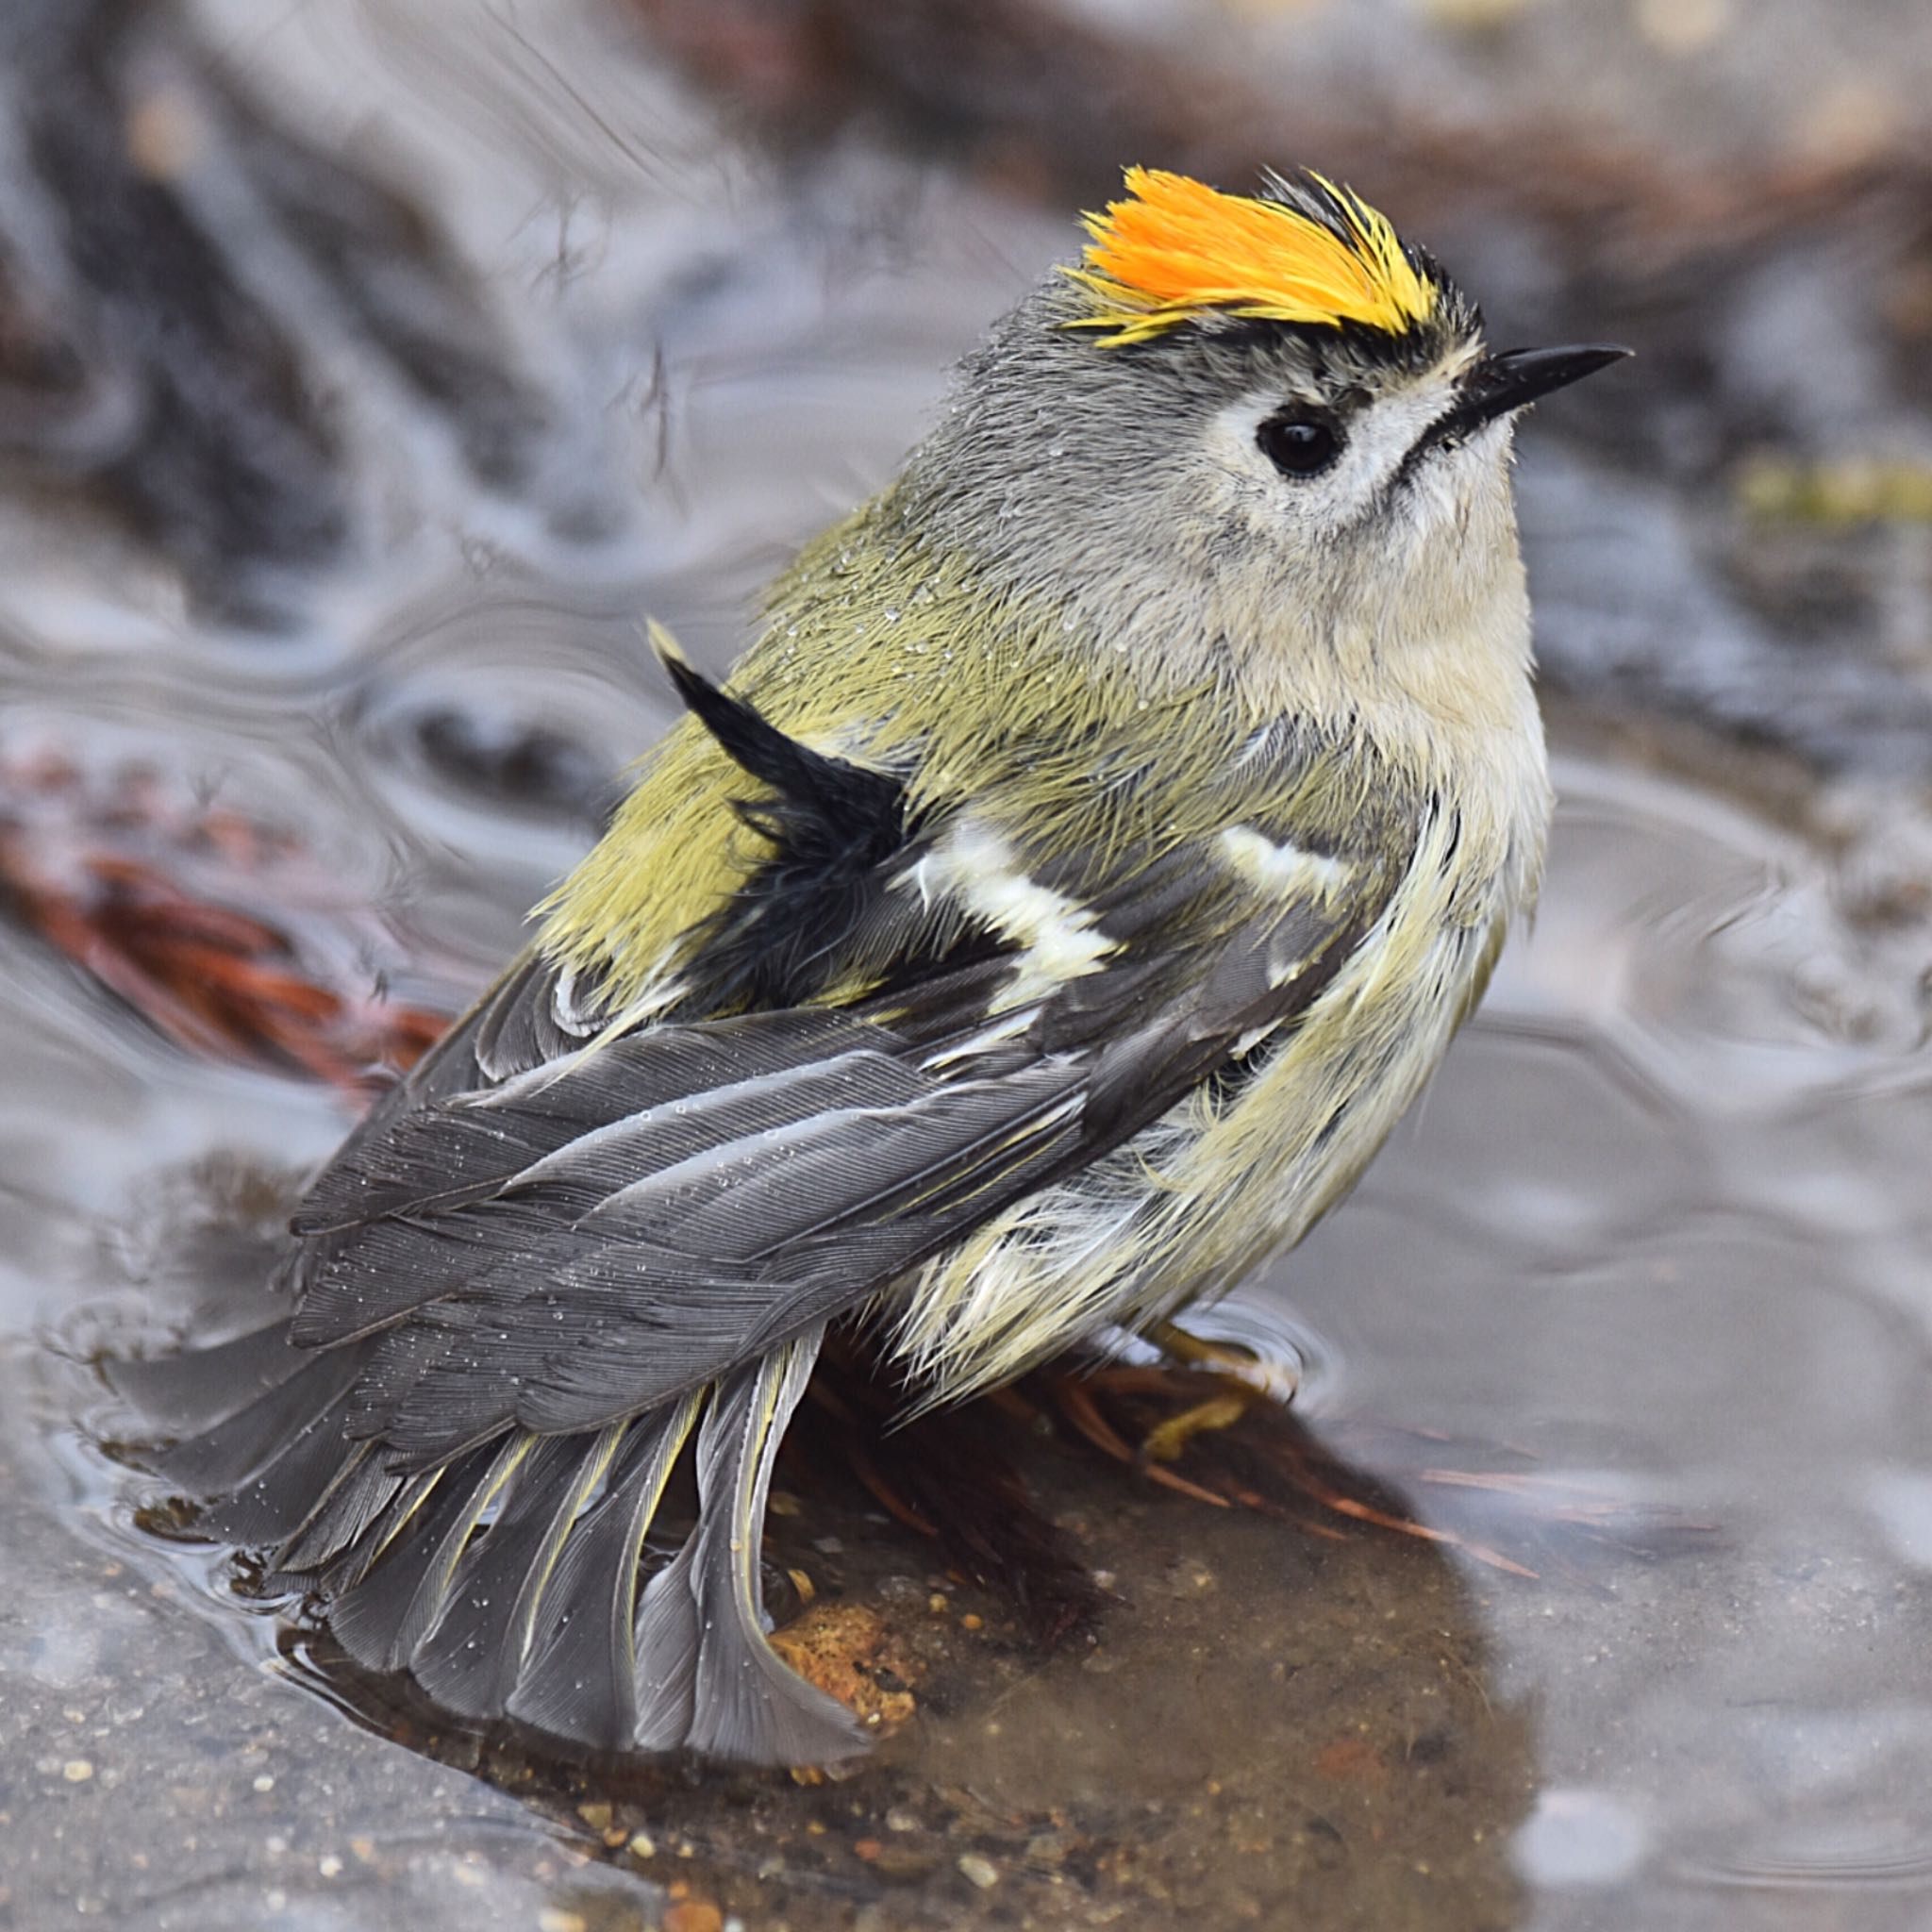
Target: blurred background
{"type": "Point", "coordinates": [369, 371]}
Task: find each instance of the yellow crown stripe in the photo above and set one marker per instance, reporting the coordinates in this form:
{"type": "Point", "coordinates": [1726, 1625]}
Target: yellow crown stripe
{"type": "Point", "coordinates": [1177, 248]}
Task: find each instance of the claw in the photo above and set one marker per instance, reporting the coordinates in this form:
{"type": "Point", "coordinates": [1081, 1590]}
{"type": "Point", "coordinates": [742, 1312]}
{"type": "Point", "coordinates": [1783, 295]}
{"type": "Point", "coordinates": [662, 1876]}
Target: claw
{"type": "Point", "coordinates": [1273, 1381]}
{"type": "Point", "coordinates": [1165, 1443]}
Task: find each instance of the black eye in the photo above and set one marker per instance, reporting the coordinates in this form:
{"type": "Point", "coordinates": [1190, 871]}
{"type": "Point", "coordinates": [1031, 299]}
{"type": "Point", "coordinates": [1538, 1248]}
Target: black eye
{"type": "Point", "coordinates": [1299, 443]}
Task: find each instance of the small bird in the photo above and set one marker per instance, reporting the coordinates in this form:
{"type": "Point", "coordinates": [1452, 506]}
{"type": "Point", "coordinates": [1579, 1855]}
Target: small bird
{"type": "Point", "coordinates": [1088, 861]}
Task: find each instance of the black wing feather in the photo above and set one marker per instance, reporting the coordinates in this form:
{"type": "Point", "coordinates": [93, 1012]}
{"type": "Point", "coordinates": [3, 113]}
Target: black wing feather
{"type": "Point", "coordinates": [832, 827]}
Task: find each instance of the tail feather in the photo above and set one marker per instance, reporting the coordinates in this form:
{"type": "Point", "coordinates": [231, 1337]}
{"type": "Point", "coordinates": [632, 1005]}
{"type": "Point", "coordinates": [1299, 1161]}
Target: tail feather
{"type": "Point", "coordinates": [358, 1492]}
{"type": "Point", "coordinates": [286, 1493]}
{"type": "Point", "coordinates": [382, 1619]}
{"type": "Point", "coordinates": [541, 1617]}
{"type": "Point", "coordinates": [510, 1579]}
{"type": "Point", "coordinates": [580, 1680]}
{"type": "Point", "coordinates": [239, 1450]}
{"type": "Point", "coordinates": [199, 1387]}
{"type": "Point", "coordinates": [471, 1660]}
{"type": "Point", "coordinates": [667, 1641]}
{"type": "Point", "coordinates": [747, 1705]}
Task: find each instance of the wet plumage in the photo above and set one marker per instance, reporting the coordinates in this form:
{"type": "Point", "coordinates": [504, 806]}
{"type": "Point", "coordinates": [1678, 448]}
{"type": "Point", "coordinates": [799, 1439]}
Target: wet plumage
{"type": "Point", "coordinates": [1051, 916]}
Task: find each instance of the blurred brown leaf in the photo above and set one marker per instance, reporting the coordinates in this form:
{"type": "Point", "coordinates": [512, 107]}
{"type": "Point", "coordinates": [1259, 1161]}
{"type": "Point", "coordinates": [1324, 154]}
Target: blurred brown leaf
{"type": "Point", "coordinates": [183, 910]}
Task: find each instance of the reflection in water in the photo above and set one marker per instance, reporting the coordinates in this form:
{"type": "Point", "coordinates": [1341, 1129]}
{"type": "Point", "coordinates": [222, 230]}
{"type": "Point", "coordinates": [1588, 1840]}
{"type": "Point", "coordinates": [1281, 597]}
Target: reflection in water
{"type": "Point", "coordinates": [1656, 1245]}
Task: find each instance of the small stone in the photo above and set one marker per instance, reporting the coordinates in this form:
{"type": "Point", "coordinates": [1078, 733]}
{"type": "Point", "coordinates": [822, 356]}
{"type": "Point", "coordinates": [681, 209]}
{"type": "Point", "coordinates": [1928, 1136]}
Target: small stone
{"type": "Point", "coordinates": [905, 1859]}
{"type": "Point", "coordinates": [848, 1651]}
{"type": "Point", "coordinates": [694, 1915]}
{"type": "Point", "coordinates": [554, 1919]}
{"type": "Point", "coordinates": [77, 1771]}
{"type": "Point", "coordinates": [643, 1846]}
{"type": "Point", "coordinates": [264, 1783]}
{"type": "Point", "coordinates": [597, 1816]}
{"type": "Point", "coordinates": [978, 1870]}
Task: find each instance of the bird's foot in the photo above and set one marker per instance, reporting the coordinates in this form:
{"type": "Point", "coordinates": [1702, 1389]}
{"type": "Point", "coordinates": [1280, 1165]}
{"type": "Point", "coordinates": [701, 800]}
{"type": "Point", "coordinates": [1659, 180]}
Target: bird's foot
{"type": "Point", "coordinates": [1244, 1379]}
{"type": "Point", "coordinates": [1165, 1443]}
{"type": "Point", "coordinates": [1271, 1379]}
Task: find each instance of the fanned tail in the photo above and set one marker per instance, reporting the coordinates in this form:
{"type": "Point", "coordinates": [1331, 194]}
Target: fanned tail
{"type": "Point", "coordinates": [511, 1580]}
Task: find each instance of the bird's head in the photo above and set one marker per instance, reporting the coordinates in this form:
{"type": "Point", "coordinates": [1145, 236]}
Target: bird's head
{"type": "Point", "coordinates": [1263, 425]}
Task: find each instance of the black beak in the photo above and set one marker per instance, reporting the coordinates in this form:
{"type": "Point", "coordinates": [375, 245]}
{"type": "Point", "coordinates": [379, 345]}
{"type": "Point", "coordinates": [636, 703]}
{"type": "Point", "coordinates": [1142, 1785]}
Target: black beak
{"type": "Point", "coordinates": [1517, 378]}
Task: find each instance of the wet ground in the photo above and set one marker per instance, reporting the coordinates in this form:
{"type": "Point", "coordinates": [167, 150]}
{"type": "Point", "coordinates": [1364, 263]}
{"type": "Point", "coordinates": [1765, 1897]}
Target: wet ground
{"type": "Point", "coordinates": [1637, 1312]}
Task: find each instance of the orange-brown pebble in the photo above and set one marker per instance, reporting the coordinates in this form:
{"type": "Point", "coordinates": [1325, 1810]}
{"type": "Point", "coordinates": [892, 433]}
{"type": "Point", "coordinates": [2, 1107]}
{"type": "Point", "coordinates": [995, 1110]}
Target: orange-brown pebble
{"type": "Point", "coordinates": [846, 1650]}
{"type": "Point", "coordinates": [1353, 1760]}
{"type": "Point", "coordinates": [694, 1915]}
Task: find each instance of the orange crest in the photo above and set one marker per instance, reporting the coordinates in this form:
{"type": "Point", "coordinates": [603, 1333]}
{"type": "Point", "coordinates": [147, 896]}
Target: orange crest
{"type": "Point", "coordinates": [1177, 248]}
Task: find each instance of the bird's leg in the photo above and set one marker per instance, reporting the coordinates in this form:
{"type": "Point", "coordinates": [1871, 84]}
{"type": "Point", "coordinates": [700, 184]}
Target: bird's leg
{"type": "Point", "coordinates": [1245, 1378]}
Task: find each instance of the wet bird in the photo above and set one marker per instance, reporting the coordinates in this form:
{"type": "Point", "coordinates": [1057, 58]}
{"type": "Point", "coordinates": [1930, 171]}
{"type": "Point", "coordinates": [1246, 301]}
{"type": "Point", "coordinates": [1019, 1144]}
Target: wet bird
{"type": "Point", "coordinates": [1091, 859]}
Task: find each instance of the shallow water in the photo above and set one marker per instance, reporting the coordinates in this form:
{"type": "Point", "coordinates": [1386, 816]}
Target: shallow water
{"type": "Point", "coordinates": [1652, 1257]}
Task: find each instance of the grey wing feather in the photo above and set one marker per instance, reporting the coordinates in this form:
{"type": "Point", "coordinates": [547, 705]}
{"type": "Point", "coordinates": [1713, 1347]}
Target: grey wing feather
{"type": "Point", "coordinates": [207, 1385]}
{"type": "Point", "coordinates": [647, 1256]}
{"type": "Point", "coordinates": [234, 1452]}
{"type": "Point", "coordinates": [533, 1014]}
